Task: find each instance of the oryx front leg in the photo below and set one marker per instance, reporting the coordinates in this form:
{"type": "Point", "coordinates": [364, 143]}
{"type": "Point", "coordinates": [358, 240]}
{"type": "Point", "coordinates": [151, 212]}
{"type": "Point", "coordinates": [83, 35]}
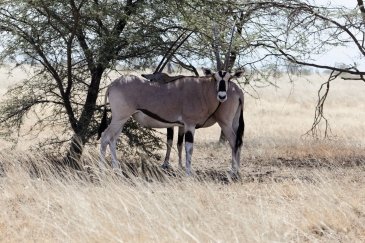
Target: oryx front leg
{"type": "Point", "coordinates": [189, 142]}
{"type": "Point", "coordinates": [180, 140]}
{"type": "Point", "coordinates": [170, 137]}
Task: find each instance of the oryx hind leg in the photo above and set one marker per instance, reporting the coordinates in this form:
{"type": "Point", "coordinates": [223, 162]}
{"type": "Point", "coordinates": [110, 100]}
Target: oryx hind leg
{"type": "Point", "coordinates": [234, 134]}
{"type": "Point", "coordinates": [230, 135]}
{"type": "Point", "coordinates": [110, 137]}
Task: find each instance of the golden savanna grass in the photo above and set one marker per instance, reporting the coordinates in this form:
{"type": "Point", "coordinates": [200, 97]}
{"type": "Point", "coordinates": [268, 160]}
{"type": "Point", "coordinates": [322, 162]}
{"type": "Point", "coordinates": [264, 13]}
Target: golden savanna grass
{"type": "Point", "coordinates": [292, 188]}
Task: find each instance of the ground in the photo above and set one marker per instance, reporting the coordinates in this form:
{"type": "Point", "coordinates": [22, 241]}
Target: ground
{"type": "Point", "coordinates": [292, 187]}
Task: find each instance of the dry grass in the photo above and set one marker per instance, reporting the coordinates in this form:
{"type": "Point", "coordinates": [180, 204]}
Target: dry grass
{"type": "Point", "coordinates": [291, 190]}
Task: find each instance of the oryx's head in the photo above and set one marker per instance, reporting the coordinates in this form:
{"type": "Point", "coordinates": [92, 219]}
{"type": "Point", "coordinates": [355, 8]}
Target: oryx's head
{"type": "Point", "coordinates": [222, 79]}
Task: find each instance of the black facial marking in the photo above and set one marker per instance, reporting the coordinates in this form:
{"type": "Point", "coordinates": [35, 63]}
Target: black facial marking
{"type": "Point", "coordinates": [170, 133]}
{"type": "Point", "coordinates": [222, 86]}
{"type": "Point", "coordinates": [222, 74]}
{"type": "Point", "coordinates": [189, 138]}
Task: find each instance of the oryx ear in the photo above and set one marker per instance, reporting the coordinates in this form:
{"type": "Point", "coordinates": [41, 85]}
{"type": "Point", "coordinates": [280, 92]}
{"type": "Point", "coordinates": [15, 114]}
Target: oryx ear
{"type": "Point", "coordinates": [207, 71]}
{"type": "Point", "coordinates": [238, 73]}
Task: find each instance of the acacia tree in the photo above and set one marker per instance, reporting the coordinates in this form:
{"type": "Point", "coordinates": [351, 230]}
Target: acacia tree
{"type": "Point", "coordinates": [279, 34]}
{"type": "Point", "coordinates": [73, 43]}
{"type": "Point", "coordinates": [301, 31]}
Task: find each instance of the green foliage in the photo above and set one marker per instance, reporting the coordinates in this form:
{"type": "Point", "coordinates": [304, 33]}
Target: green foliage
{"type": "Point", "coordinates": [141, 141]}
{"type": "Point", "coordinates": [70, 44]}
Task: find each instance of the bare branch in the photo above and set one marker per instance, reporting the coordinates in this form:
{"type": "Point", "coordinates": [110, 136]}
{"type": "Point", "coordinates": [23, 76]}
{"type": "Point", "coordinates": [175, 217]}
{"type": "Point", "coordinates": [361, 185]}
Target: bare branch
{"type": "Point", "coordinates": [319, 112]}
{"type": "Point", "coordinates": [189, 66]}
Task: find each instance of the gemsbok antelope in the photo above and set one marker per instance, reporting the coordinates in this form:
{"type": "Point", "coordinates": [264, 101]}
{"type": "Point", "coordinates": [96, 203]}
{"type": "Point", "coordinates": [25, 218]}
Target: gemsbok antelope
{"type": "Point", "coordinates": [159, 76]}
{"type": "Point", "coordinates": [165, 78]}
{"type": "Point", "coordinates": [188, 102]}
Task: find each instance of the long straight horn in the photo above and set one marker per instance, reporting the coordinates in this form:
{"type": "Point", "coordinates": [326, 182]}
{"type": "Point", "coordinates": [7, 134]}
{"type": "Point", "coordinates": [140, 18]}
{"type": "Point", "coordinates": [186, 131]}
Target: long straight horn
{"type": "Point", "coordinates": [173, 52]}
{"type": "Point", "coordinates": [158, 68]}
{"type": "Point", "coordinates": [227, 57]}
{"type": "Point", "coordinates": [216, 45]}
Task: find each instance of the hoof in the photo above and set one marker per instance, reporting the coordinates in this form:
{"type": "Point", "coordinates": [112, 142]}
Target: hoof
{"type": "Point", "coordinates": [181, 168]}
{"type": "Point", "coordinates": [166, 166]}
{"type": "Point", "coordinates": [233, 176]}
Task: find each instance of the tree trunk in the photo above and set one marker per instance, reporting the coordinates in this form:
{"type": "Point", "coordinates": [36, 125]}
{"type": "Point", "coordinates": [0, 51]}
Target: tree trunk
{"type": "Point", "coordinates": [81, 132]}
{"type": "Point", "coordinates": [72, 159]}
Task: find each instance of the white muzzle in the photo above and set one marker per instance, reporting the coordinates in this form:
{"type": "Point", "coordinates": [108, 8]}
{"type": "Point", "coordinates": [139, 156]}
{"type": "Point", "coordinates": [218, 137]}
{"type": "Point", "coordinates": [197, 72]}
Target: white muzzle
{"type": "Point", "coordinates": [222, 96]}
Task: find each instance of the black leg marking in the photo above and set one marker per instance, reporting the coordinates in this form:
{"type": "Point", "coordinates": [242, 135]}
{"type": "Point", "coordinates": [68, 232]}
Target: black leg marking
{"type": "Point", "coordinates": [170, 133]}
{"type": "Point", "coordinates": [180, 139]}
{"type": "Point", "coordinates": [189, 138]}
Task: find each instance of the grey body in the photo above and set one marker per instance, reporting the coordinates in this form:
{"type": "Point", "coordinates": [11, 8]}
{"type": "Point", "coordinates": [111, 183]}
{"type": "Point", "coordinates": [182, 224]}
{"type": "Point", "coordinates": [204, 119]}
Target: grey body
{"type": "Point", "coordinates": [165, 78]}
{"type": "Point", "coordinates": [187, 102]}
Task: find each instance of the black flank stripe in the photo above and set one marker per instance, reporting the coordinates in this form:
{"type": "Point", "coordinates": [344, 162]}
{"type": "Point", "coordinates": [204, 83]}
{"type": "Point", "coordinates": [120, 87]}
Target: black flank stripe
{"type": "Point", "coordinates": [157, 117]}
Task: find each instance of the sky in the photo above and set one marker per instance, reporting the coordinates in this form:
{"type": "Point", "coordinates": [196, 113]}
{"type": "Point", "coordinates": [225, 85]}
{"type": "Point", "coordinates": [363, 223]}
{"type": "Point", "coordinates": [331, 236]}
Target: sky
{"type": "Point", "coordinates": [340, 54]}
{"type": "Point", "coordinates": [347, 3]}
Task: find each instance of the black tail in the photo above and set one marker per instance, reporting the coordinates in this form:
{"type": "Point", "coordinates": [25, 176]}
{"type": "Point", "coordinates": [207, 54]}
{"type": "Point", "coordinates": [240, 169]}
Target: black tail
{"type": "Point", "coordinates": [104, 119]}
{"type": "Point", "coordinates": [103, 124]}
{"type": "Point", "coordinates": [240, 129]}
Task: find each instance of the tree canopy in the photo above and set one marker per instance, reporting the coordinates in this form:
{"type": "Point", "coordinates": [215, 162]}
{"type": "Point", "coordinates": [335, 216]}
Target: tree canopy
{"type": "Point", "coordinates": [73, 44]}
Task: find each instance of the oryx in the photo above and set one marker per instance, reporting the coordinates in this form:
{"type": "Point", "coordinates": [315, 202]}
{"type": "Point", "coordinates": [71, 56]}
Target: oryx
{"type": "Point", "coordinates": [165, 78]}
{"type": "Point", "coordinates": [187, 102]}
{"type": "Point", "coordinates": [159, 76]}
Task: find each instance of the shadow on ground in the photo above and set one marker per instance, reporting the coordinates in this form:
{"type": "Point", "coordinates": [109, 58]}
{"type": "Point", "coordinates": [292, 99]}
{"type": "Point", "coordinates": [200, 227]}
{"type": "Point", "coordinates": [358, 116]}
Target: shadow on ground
{"type": "Point", "coordinates": [253, 170]}
{"type": "Point", "coordinates": [273, 170]}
